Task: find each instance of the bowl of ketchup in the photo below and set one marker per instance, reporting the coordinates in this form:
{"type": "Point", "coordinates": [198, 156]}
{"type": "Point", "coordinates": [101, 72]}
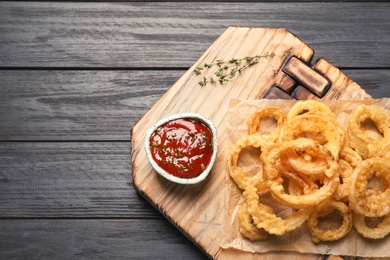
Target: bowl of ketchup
{"type": "Point", "coordinates": [183, 147]}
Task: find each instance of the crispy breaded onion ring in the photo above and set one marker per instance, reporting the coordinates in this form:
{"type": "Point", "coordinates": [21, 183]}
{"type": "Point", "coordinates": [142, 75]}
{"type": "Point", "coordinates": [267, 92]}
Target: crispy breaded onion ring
{"type": "Point", "coordinates": [316, 127]}
{"type": "Point", "coordinates": [366, 145]}
{"type": "Point", "coordinates": [342, 191]}
{"type": "Point", "coordinates": [349, 160]}
{"type": "Point", "coordinates": [323, 209]}
{"type": "Point", "coordinates": [236, 173]}
{"type": "Point", "coordinates": [248, 228]}
{"type": "Point", "coordinates": [307, 163]}
{"type": "Point", "coordinates": [310, 106]}
{"type": "Point", "coordinates": [370, 202]}
{"type": "Point", "coordinates": [269, 221]}
{"type": "Point", "coordinates": [330, 178]}
{"type": "Point", "coordinates": [254, 121]}
{"type": "Point", "coordinates": [306, 186]}
{"type": "Point", "coordinates": [386, 152]}
{"type": "Point", "coordinates": [378, 232]}
{"type": "Point", "coordinates": [350, 156]}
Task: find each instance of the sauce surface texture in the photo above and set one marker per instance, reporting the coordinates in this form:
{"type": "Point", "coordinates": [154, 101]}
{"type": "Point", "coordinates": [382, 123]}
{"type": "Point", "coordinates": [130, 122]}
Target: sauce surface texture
{"type": "Point", "coordinates": [182, 147]}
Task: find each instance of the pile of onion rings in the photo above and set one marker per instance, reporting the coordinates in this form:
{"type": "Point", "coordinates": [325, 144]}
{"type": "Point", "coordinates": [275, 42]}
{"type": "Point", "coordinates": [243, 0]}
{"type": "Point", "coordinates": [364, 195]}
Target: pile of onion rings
{"type": "Point", "coordinates": [314, 168]}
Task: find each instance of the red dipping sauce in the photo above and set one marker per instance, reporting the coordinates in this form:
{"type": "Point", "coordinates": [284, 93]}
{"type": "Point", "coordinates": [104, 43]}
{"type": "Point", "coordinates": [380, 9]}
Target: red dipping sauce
{"type": "Point", "coordinates": [182, 147]}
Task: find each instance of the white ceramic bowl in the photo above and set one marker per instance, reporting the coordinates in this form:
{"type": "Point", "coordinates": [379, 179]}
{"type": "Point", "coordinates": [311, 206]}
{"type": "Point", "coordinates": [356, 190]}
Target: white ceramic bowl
{"type": "Point", "coordinates": [169, 176]}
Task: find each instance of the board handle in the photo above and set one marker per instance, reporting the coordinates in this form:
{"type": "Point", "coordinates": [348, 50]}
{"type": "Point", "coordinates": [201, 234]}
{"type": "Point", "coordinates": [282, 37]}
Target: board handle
{"type": "Point", "coordinates": [306, 76]}
{"type": "Point", "coordinates": [303, 82]}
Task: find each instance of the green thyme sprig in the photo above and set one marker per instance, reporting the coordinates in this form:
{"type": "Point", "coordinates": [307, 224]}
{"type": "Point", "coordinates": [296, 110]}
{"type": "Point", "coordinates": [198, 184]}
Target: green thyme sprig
{"type": "Point", "coordinates": [228, 69]}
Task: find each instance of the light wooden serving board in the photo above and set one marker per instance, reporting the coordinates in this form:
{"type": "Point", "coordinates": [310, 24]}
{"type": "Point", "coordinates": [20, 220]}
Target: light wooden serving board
{"type": "Point", "coordinates": [198, 211]}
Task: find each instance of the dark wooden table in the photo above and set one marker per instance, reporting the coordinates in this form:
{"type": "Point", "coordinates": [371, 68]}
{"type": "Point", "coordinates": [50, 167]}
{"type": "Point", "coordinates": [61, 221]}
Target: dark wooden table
{"type": "Point", "coordinates": [74, 79]}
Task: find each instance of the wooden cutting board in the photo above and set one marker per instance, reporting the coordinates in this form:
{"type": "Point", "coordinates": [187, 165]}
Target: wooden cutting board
{"type": "Point", "coordinates": [198, 211]}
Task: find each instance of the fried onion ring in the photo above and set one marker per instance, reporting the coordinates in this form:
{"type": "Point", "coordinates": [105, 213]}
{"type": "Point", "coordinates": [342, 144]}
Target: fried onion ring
{"type": "Point", "coordinates": [274, 181]}
{"type": "Point", "coordinates": [323, 209]}
{"type": "Point", "coordinates": [342, 191]}
{"type": "Point", "coordinates": [236, 173]}
{"type": "Point", "coordinates": [254, 122]}
{"type": "Point", "coordinates": [366, 145]}
{"type": "Point", "coordinates": [378, 232]}
{"type": "Point", "coordinates": [315, 127]}
{"type": "Point", "coordinates": [370, 202]}
{"type": "Point", "coordinates": [351, 156]}
{"type": "Point", "coordinates": [307, 163]}
{"type": "Point", "coordinates": [386, 152]}
{"type": "Point", "coordinates": [309, 106]}
{"type": "Point", "coordinates": [305, 184]}
{"type": "Point", "coordinates": [248, 228]}
{"type": "Point", "coordinates": [269, 221]}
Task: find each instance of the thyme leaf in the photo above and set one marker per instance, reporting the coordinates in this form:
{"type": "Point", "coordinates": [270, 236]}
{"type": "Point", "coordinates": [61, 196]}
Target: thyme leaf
{"type": "Point", "coordinates": [203, 82]}
{"type": "Point", "coordinates": [237, 66]}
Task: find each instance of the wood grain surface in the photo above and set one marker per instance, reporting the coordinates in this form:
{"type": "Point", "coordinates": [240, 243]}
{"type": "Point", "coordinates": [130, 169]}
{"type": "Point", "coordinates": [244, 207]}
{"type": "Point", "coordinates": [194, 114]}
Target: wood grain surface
{"type": "Point", "coordinates": [164, 34]}
{"type": "Point", "coordinates": [76, 76]}
{"type": "Point", "coordinates": [74, 105]}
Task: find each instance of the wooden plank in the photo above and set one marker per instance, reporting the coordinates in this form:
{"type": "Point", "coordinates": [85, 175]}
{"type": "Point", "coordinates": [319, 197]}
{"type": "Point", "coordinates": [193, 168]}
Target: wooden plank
{"type": "Point", "coordinates": [224, 1]}
{"type": "Point", "coordinates": [99, 105]}
{"type": "Point", "coordinates": [69, 179]}
{"type": "Point", "coordinates": [375, 82]}
{"type": "Point", "coordinates": [94, 239]}
{"type": "Point", "coordinates": [142, 34]}
{"type": "Point", "coordinates": [77, 105]}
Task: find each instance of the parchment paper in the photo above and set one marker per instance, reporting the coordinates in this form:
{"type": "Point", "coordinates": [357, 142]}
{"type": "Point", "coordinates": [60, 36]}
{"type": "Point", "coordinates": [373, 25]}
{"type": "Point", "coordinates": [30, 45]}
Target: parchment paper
{"type": "Point", "coordinates": [298, 240]}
